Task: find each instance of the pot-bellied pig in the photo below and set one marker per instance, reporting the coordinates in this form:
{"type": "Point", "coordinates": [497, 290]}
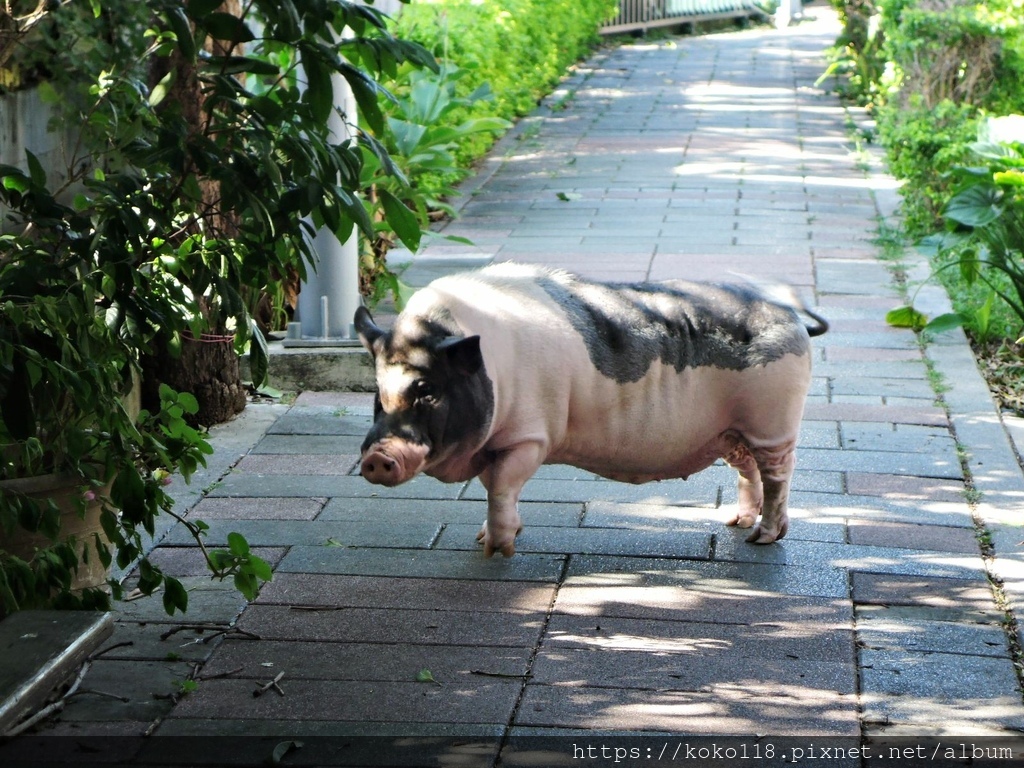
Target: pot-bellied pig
{"type": "Point", "coordinates": [495, 372]}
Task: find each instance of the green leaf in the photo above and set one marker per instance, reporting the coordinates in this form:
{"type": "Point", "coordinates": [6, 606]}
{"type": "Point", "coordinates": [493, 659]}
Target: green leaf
{"type": "Point", "coordinates": [401, 219]}
{"type": "Point", "coordinates": [225, 26]}
{"type": "Point", "coordinates": [35, 169]}
{"type": "Point", "coordinates": [426, 676]}
{"type": "Point", "coordinates": [1011, 177]}
{"type": "Point", "coordinates": [975, 206]}
{"type": "Point", "coordinates": [237, 544]}
{"type": "Point", "coordinates": [282, 749]}
{"type": "Point", "coordinates": [161, 89]}
{"type": "Point", "coordinates": [198, 9]}
{"type": "Point", "coordinates": [175, 596]}
{"type": "Point", "coordinates": [182, 31]}
{"type": "Point", "coordinates": [233, 65]}
{"type": "Point", "coordinates": [259, 356]}
{"type": "Point", "coordinates": [906, 317]}
{"type": "Point", "coordinates": [319, 93]}
{"type": "Point", "coordinates": [260, 568]}
{"type": "Point", "coordinates": [945, 322]}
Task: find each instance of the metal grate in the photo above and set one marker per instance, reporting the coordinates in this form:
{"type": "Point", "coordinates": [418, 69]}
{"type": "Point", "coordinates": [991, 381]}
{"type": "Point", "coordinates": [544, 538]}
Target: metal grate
{"type": "Point", "coordinates": [640, 15]}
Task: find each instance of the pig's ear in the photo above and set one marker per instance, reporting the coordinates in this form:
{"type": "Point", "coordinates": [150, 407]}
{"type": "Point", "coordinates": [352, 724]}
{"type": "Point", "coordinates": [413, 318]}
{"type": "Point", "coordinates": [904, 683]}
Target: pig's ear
{"type": "Point", "coordinates": [368, 330]}
{"type": "Point", "coordinates": [463, 354]}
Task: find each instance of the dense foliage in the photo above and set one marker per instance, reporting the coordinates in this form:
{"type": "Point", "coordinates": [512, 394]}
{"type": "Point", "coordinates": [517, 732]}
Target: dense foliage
{"type": "Point", "coordinates": [200, 165]}
{"type": "Point", "coordinates": [521, 48]}
{"type": "Point", "coordinates": [933, 72]}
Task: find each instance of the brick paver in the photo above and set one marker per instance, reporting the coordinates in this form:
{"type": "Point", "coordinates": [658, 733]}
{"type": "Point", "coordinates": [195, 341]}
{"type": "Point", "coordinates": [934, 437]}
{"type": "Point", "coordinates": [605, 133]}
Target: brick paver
{"type": "Point", "coordinates": [628, 608]}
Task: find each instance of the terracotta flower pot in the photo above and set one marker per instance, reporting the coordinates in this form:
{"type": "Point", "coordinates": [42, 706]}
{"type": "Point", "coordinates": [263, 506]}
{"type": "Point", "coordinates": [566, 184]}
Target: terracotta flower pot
{"type": "Point", "coordinates": [65, 492]}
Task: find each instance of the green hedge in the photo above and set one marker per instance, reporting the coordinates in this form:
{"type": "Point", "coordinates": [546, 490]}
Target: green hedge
{"type": "Point", "coordinates": [940, 71]}
{"type": "Point", "coordinates": [520, 47]}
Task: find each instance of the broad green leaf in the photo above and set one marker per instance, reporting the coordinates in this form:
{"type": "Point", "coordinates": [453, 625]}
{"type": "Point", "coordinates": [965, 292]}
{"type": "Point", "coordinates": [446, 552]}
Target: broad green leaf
{"type": "Point", "coordinates": [175, 596]}
{"type": "Point", "coordinates": [183, 32]}
{"type": "Point", "coordinates": [233, 65]}
{"type": "Point", "coordinates": [35, 169]}
{"type": "Point", "coordinates": [198, 9]}
{"type": "Point", "coordinates": [426, 676]}
{"type": "Point", "coordinates": [945, 322]}
{"type": "Point", "coordinates": [975, 206]}
{"type": "Point", "coordinates": [403, 220]}
{"type": "Point", "coordinates": [906, 317]}
{"type": "Point", "coordinates": [237, 544]}
{"type": "Point", "coordinates": [225, 26]}
{"type": "Point", "coordinates": [259, 356]}
{"type": "Point", "coordinates": [161, 89]}
{"type": "Point", "coordinates": [1011, 178]}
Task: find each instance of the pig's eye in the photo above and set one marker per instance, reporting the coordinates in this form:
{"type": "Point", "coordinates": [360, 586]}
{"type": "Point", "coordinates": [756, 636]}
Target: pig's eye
{"type": "Point", "coordinates": [423, 389]}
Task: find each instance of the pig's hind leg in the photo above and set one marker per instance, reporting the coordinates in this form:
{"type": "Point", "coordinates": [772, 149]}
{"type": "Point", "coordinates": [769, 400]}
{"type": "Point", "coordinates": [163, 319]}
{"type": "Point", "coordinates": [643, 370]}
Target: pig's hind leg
{"type": "Point", "coordinates": [504, 480]}
{"type": "Point", "coordinates": [776, 464]}
{"type": "Point", "coordinates": [749, 487]}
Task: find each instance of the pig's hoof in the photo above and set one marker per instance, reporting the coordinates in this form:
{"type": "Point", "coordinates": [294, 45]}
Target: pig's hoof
{"type": "Point", "coordinates": [493, 544]}
{"type": "Point", "coordinates": [765, 535]}
{"type": "Point", "coordinates": [743, 519]}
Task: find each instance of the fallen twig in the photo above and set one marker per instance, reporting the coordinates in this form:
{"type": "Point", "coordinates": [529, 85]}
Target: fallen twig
{"type": "Point", "coordinates": [108, 649]}
{"type": "Point", "coordinates": [272, 684]}
{"type": "Point", "coordinates": [219, 675]}
{"type": "Point", "coordinates": [53, 708]}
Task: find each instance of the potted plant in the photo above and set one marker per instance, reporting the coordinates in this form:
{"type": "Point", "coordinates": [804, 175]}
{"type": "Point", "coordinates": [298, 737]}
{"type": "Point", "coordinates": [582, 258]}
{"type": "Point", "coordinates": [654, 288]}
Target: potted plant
{"type": "Point", "coordinates": [201, 165]}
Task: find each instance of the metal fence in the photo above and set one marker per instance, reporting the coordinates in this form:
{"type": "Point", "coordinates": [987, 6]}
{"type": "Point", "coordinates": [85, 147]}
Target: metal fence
{"type": "Point", "coordinates": [640, 15]}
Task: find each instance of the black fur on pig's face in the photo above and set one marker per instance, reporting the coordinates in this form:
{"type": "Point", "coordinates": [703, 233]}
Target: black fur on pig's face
{"type": "Point", "coordinates": [432, 386]}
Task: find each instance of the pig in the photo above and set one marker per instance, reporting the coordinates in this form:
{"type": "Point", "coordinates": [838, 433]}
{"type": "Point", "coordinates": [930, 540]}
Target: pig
{"type": "Point", "coordinates": [492, 373]}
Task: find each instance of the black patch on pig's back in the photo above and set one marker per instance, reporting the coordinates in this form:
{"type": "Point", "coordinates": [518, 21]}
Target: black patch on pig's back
{"type": "Point", "coordinates": [627, 326]}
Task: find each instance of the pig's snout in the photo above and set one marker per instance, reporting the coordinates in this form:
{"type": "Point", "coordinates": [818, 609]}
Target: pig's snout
{"type": "Point", "coordinates": [381, 469]}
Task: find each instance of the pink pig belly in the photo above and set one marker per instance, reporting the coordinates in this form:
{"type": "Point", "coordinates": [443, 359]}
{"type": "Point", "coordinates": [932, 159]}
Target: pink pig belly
{"type": "Point", "coordinates": [672, 425]}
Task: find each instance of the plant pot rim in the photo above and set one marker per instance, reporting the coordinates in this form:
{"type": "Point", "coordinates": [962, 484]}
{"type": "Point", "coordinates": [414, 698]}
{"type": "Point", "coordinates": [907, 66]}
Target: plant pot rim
{"type": "Point", "coordinates": [40, 483]}
{"type": "Point", "coordinates": [209, 338]}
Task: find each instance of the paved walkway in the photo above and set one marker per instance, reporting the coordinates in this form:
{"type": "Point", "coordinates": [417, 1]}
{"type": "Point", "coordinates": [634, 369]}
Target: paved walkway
{"type": "Point", "coordinates": [628, 609]}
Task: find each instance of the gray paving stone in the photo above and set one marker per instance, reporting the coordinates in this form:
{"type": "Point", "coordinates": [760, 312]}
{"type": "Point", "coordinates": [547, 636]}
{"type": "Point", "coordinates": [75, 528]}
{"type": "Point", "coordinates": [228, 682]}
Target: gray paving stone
{"type": "Point", "coordinates": [266, 508]}
{"type": "Point", "coordinates": [209, 601]}
{"type": "Point", "coordinates": [324, 533]}
{"type": "Point", "coordinates": [464, 701]}
{"type": "Point", "coordinates": [420, 487]}
{"type": "Point", "coordinates": [321, 420]}
{"type": "Point", "coordinates": [815, 554]}
{"type": "Point", "coordinates": [928, 537]}
{"type": "Point", "coordinates": [917, 630]}
{"type": "Point", "coordinates": [967, 595]}
{"type": "Point", "coordinates": [902, 687]}
{"type": "Point", "coordinates": [729, 711]}
{"type": "Point", "coordinates": [443, 564]}
{"type": "Point", "coordinates": [381, 625]}
{"type": "Point", "coordinates": [698, 670]}
{"type": "Point", "coordinates": [768, 638]}
{"type": "Point", "coordinates": [658, 517]}
{"type": "Point", "coordinates": [757, 577]}
{"type": "Point", "coordinates": [918, 464]}
{"type": "Point", "coordinates": [701, 489]}
{"type": "Point", "coordinates": [606, 541]}
{"type": "Point", "coordinates": [288, 444]}
{"type": "Point", "coordinates": [721, 603]}
{"type": "Point", "coordinates": [399, 662]}
{"type": "Point", "coordinates": [314, 591]}
{"type": "Point", "coordinates": [133, 688]}
{"type": "Point", "coordinates": [388, 512]}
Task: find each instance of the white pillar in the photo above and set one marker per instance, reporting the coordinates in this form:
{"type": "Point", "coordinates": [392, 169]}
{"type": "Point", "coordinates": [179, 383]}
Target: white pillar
{"type": "Point", "coordinates": [329, 296]}
{"type": "Point", "coordinates": [788, 12]}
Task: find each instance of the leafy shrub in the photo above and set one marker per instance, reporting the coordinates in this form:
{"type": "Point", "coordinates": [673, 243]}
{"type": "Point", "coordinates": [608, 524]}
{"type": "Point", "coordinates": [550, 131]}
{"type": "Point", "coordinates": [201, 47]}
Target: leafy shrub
{"type": "Point", "coordinates": [520, 47]}
{"type": "Point", "coordinates": [922, 143]}
{"type": "Point", "coordinates": [982, 246]}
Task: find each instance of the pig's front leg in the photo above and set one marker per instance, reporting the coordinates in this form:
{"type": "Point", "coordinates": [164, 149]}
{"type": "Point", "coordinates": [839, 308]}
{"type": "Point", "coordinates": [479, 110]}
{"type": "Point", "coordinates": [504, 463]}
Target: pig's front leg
{"type": "Point", "coordinates": [504, 480]}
